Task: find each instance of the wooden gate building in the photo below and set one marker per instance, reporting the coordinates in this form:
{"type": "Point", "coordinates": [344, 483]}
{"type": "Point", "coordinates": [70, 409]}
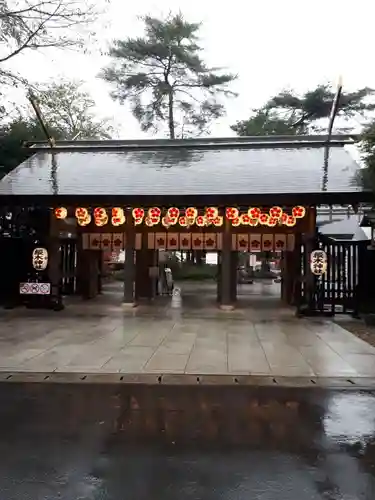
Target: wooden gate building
{"type": "Point", "coordinates": [225, 195]}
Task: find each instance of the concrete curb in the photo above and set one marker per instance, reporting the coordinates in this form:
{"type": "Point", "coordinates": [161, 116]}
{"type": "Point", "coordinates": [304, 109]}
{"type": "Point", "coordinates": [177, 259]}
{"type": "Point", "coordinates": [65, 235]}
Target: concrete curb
{"type": "Point", "coordinates": [365, 383]}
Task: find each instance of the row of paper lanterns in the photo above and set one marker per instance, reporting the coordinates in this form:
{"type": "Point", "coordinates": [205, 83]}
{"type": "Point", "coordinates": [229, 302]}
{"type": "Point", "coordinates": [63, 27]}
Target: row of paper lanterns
{"type": "Point", "coordinates": [153, 216]}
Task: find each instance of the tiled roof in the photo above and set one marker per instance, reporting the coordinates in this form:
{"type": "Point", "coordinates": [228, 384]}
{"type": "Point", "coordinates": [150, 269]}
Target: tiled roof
{"type": "Point", "coordinates": [181, 168]}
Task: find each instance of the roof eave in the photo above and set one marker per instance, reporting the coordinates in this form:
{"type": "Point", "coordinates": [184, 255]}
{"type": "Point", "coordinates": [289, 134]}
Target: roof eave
{"type": "Point", "coordinates": [200, 143]}
{"type": "Point", "coordinates": [308, 199]}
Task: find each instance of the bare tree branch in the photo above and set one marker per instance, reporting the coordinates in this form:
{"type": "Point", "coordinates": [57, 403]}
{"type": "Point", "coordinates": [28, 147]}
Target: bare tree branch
{"type": "Point", "coordinates": [37, 24]}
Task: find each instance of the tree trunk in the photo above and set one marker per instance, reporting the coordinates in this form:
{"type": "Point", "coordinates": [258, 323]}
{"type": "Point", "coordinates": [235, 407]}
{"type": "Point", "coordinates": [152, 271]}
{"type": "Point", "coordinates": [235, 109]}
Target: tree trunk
{"type": "Point", "coordinates": [170, 116]}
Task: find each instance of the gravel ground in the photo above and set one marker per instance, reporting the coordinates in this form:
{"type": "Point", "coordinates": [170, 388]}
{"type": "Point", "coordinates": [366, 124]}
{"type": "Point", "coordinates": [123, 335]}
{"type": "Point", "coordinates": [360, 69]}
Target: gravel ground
{"type": "Point", "coordinates": [359, 329]}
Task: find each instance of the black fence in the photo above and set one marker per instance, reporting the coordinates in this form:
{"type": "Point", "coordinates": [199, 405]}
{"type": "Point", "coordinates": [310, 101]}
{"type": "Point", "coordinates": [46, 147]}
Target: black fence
{"type": "Point", "coordinates": [348, 285]}
{"type": "Point", "coordinates": [68, 263]}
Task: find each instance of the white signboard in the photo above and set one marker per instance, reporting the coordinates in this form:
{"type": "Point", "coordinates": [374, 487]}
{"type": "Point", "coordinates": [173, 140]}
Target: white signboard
{"type": "Point", "coordinates": [35, 288]}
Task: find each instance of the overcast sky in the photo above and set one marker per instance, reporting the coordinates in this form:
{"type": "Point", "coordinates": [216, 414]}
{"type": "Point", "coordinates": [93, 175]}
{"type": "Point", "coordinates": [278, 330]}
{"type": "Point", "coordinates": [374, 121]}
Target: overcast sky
{"type": "Point", "coordinates": [271, 45]}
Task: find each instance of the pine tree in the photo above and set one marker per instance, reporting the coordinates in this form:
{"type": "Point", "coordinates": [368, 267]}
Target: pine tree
{"type": "Point", "coordinates": [165, 80]}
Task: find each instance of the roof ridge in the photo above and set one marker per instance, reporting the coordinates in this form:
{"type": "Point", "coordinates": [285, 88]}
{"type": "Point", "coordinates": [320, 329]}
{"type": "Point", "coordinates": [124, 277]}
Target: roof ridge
{"type": "Point", "coordinates": [210, 142]}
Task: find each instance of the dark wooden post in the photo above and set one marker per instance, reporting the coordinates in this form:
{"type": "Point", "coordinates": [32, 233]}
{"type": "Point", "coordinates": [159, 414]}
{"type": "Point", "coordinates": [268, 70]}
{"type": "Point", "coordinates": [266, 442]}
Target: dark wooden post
{"type": "Point", "coordinates": [54, 274]}
{"type": "Point", "coordinates": [284, 274]}
{"type": "Point", "coordinates": [145, 258]}
{"type": "Point", "coordinates": [234, 277]}
{"type": "Point", "coordinates": [80, 268]}
{"type": "Point", "coordinates": [218, 279]}
{"type": "Point", "coordinates": [129, 264]}
{"type": "Point", "coordinates": [309, 277]}
{"type": "Point", "coordinates": [309, 239]}
{"type": "Point", "coordinates": [226, 294]}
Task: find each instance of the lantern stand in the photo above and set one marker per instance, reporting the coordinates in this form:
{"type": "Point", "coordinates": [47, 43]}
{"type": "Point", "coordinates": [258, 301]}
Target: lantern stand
{"type": "Point", "coordinates": [37, 288]}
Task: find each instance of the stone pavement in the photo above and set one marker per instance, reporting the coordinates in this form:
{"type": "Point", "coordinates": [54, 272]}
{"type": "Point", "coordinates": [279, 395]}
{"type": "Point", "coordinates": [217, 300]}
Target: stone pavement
{"type": "Point", "coordinates": [265, 342]}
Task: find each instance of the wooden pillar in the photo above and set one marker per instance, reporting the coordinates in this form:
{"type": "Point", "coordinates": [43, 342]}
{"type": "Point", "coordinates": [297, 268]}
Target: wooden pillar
{"type": "Point", "coordinates": [100, 265]}
{"type": "Point", "coordinates": [283, 274]}
{"type": "Point", "coordinates": [234, 276]}
{"type": "Point", "coordinates": [143, 281]}
{"type": "Point", "coordinates": [54, 274]}
{"type": "Point", "coordinates": [129, 264]}
{"type": "Point", "coordinates": [226, 293]}
{"type": "Point", "coordinates": [295, 270]}
{"type": "Point", "coordinates": [88, 274]}
{"type": "Point", "coordinates": [310, 247]}
{"type": "Point", "coordinates": [218, 280]}
{"type": "Point", "coordinates": [290, 274]}
{"type": "Point", "coordinates": [309, 277]}
{"type": "Point", "coordinates": [146, 272]}
{"type": "Point", "coordinates": [80, 268]}
{"type": "Point", "coordinates": [307, 304]}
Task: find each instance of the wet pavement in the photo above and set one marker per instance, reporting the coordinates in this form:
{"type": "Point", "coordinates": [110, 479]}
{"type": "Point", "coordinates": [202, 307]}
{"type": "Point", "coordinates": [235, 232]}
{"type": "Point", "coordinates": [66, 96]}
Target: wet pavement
{"type": "Point", "coordinates": [81, 442]}
{"type": "Point", "coordinates": [263, 338]}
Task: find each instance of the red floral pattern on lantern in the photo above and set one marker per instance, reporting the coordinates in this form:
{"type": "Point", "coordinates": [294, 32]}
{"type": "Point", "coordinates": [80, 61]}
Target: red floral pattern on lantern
{"type": "Point", "coordinates": [236, 221]}
{"type": "Point", "coordinates": [299, 211]}
{"type": "Point", "coordinates": [245, 219]}
{"type": "Point", "coordinates": [183, 221]}
{"type": "Point", "coordinates": [166, 221]}
{"type": "Point", "coordinates": [276, 212]}
{"type": "Point", "coordinates": [138, 213]}
{"type": "Point", "coordinates": [99, 213]}
{"type": "Point", "coordinates": [118, 217]}
{"type": "Point", "coordinates": [154, 212]}
{"type": "Point", "coordinates": [100, 216]}
{"type": "Point", "coordinates": [284, 218]}
{"type": "Point", "coordinates": [137, 222]}
{"type": "Point", "coordinates": [254, 212]}
{"type": "Point", "coordinates": [272, 221]}
{"type": "Point", "coordinates": [291, 221]}
{"type": "Point", "coordinates": [200, 221]}
{"type": "Point", "coordinates": [61, 213]}
{"type": "Point", "coordinates": [231, 213]}
{"type": "Point", "coordinates": [218, 221]}
{"type": "Point", "coordinates": [102, 221]}
{"type": "Point", "coordinates": [191, 213]}
{"type": "Point", "coordinates": [254, 222]}
{"type": "Point", "coordinates": [173, 213]}
{"type": "Point", "coordinates": [84, 221]}
{"type": "Point", "coordinates": [263, 218]}
{"type": "Point", "coordinates": [155, 220]}
{"type": "Point", "coordinates": [211, 213]}
{"type": "Point", "coordinates": [81, 213]}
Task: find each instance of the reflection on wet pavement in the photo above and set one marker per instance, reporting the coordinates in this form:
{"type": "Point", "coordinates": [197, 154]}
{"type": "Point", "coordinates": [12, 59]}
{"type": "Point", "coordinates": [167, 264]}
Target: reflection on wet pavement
{"type": "Point", "coordinates": [69, 443]}
{"type": "Point", "coordinates": [263, 339]}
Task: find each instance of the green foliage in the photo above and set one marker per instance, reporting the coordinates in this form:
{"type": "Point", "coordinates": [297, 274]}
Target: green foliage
{"type": "Point", "coordinates": [367, 146]}
{"type": "Point", "coordinates": [288, 113]}
{"type": "Point", "coordinates": [68, 109]}
{"type": "Point", "coordinates": [188, 271]}
{"type": "Point", "coordinates": [165, 80]}
{"type": "Point", "coordinates": [12, 137]}
{"type": "Point", "coordinates": [266, 122]}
